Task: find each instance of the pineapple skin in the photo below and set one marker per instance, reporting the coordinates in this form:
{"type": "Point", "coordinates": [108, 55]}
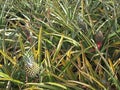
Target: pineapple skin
{"type": "Point", "coordinates": [32, 69]}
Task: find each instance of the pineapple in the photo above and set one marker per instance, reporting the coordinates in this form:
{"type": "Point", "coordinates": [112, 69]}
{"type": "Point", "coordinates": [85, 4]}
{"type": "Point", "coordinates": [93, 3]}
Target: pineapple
{"type": "Point", "coordinates": [30, 66]}
{"type": "Point", "coordinates": [99, 39]}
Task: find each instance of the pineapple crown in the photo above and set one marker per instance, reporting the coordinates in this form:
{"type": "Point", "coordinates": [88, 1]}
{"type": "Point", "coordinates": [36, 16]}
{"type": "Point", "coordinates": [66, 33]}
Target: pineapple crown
{"type": "Point", "coordinates": [98, 36]}
{"type": "Point", "coordinates": [28, 58]}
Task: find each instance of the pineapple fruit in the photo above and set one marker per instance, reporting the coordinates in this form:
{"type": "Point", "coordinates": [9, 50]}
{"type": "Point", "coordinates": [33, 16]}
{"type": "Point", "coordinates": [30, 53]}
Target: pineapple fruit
{"type": "Point", "coordinates": [30, 66]}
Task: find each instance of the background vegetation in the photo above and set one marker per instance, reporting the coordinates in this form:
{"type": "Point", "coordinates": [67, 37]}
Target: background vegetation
{"type": "Point", "coordinates": [60, 34]}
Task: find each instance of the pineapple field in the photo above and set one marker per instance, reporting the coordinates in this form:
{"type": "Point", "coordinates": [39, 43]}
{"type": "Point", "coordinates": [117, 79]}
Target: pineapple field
{"type": "Point", "coordinates": [60, 44]}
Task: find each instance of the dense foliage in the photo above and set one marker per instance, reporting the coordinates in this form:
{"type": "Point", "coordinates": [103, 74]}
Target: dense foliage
{"type": "Point", "coordinates": [61, 37]}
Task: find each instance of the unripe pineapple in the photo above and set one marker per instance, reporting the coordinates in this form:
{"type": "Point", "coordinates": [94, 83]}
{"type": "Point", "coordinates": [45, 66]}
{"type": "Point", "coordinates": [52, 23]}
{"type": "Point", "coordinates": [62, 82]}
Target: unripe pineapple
{"type": "Point", "coordinates": [98, 36]}
{"type": "Point", "coordinates": [30, 66]}
{"type": "Point", "coordinates": [99, 39]}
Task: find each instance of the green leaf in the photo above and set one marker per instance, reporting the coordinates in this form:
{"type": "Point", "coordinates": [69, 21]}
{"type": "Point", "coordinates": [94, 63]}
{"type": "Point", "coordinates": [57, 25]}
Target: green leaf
{"type": "Point", "coordinates": [8, 57]}
{"type": "Point", "coordinates": [5, 77]}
